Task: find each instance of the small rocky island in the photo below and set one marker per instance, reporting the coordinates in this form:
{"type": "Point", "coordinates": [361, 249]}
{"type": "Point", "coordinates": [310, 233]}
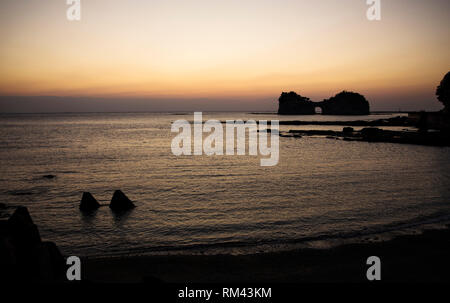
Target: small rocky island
{"type": "Point", "coordinates": [344, 103]}
{"type": "Point", "coordinates": [423, 128]}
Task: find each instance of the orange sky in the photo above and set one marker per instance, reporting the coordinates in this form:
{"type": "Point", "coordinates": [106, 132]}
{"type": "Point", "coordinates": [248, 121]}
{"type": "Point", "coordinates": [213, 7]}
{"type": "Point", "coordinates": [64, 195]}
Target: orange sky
{"type": "Point", "coordinates": [225, 49]}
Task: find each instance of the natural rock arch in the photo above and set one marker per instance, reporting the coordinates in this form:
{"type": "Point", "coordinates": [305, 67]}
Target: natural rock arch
{"type": "Point", "coordinates": [343, 103]}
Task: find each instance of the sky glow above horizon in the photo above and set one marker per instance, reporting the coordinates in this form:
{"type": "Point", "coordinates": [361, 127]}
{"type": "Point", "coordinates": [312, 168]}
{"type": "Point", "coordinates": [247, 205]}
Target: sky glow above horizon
{"type": "Point", "coordinates": [219, 50]}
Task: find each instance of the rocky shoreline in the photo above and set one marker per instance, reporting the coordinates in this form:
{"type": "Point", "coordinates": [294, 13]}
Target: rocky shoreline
{"type": "Point", "coordinates": [24, 257]}
{"type": "Point", "coordinates": [395, 121]}
{"type": "Point", "coordinates": [377, 135]}
{"type": "Point", "coordinates": [418, 134]}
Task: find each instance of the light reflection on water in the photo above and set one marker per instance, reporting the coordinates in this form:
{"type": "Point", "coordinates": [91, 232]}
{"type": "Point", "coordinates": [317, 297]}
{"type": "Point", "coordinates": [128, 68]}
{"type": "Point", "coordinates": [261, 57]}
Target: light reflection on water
{"type": "Point", "coordinates": [321, 189]}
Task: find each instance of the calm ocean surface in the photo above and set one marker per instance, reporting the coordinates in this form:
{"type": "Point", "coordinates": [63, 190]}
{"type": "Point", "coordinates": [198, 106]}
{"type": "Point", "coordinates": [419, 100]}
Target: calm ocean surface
{"type": "Point", "coordinates": [321, 193]}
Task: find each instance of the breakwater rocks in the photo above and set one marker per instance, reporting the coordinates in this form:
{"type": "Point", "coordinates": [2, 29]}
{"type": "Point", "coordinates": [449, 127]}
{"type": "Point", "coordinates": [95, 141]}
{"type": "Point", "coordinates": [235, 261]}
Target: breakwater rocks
{"type": "Point", "coordinates": [24, 257]}
{"type": "Point", "coordinates": [88, 202]}
{"type": "Point", "coordinates": [120, 202]}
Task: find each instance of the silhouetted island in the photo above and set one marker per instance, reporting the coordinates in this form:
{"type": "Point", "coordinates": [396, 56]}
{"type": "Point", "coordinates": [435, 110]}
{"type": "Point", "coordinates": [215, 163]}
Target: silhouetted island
{"type": "Point", "coordinates": [344, 103]}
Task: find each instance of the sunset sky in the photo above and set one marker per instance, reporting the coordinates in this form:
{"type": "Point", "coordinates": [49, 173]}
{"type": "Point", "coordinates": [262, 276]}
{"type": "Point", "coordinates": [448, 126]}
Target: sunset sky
{"type": "Point", "coordinates": [158, 54]}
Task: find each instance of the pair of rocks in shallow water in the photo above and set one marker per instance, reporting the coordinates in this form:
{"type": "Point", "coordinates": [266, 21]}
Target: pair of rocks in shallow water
{"type": "Point", "coordinates": [119, 202]}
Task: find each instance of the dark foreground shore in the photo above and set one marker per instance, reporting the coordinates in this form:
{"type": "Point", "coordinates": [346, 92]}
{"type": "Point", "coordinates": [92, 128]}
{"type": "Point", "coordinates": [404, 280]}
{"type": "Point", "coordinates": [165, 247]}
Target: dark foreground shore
{"type": "Point", "coordinates": [415, 258]}
{"type": "Point", "coordinates": [25, 257]}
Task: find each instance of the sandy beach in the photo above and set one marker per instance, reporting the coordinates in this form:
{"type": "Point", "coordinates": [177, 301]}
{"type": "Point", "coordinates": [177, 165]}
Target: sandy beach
{"type": "Point", "coordinates": [414, 258]}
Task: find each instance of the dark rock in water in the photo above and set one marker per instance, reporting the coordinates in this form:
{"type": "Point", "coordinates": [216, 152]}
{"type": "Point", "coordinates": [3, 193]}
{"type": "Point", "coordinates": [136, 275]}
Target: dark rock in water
{"type": "Point", "coordinates": [49, 176]}
{"type": "Point", "coordinates": [313, 132]}
{"type": "Point", "coordinates": [88, 202]}
{"type": "Point", "coordinates": [347, 130]}
{"type": "Point", "coordinates": [372, 134]}
{"type": "Point", "coordinates": [120, 202]}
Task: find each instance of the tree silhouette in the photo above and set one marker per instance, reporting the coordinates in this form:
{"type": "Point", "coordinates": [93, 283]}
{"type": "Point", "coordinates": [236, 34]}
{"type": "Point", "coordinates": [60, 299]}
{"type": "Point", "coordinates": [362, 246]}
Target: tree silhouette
{"type": "Point", "coordinates": [443, 92]}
